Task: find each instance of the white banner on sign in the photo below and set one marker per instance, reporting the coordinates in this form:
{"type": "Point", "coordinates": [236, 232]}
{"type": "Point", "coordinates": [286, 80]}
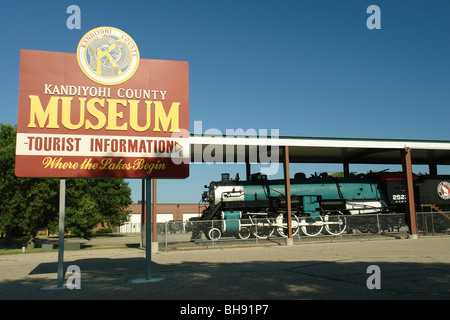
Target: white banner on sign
{"type": "Point", "coordinates": [98, 146]}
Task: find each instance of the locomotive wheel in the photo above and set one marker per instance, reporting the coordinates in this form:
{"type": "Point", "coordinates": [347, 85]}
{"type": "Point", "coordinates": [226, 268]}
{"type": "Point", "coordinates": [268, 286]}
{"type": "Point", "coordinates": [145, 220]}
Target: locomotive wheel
{"type": "Point", "coordinates": [339, 223]}
{"type": "Point", "coordinates": [311, 230]}
{"type": "Point", "coordinates": [283, 231]}
{"type": "Point", "coordinates": [244, 233]}
{"type": "Point", "coordinates": [214, 234]}
{"type": "Point", "coordinates": [263, 228]}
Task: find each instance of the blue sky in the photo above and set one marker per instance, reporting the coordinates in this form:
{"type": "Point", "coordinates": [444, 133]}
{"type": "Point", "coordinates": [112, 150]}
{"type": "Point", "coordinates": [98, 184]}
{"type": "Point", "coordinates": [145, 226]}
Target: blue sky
{"type": "Point", "coordinates": [307, 68]}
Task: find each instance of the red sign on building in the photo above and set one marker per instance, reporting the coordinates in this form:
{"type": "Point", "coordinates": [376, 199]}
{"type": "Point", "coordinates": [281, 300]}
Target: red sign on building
{"type": "Point", "coordinates": [102, 112]}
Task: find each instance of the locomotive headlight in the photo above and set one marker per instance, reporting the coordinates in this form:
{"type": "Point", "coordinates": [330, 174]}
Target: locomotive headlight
{"type": "Point", "coordinates": [211, 193]}
{"type": "Point", "coordinates": [208, 196]}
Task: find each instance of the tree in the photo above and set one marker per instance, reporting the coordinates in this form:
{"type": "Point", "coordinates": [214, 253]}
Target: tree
{"type": "Point", "coordinates": [39, 206]}
{"type": "Point", "coordinates": [91, 202]}
{"type": "Point", "coordinates": [26, 204]}
{"type": "Point", "coordinates": [338, 174]}
{"type": "Point", "coordinates": [82, 212]}
{"type": "Point", "coordinates": [8, 200]}
{"type": "Point", "coordinates": [113, 196]}
{"type": "Point", "coordinates": [30, 204]}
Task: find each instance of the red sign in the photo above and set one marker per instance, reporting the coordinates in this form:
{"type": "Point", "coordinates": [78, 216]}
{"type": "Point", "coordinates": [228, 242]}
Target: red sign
{"type": "Point", "coordinates": [102, 112]}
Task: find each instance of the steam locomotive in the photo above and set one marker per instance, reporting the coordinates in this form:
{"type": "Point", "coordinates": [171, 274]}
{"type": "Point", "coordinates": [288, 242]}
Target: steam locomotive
{"type": "Point", "coordinates": [319, 204]}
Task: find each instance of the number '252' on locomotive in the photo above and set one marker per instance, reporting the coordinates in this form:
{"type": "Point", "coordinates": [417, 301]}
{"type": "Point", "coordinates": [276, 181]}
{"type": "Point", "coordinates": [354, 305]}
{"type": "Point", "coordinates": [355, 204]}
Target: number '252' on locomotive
{"type": "Point", "coordinates": [319, 204]}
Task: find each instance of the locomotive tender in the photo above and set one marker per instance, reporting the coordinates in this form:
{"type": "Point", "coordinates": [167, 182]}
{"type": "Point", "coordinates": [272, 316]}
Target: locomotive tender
{"type": "Point", "coordinates": [319, 204]}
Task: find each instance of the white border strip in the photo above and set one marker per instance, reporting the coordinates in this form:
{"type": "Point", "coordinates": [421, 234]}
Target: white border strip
{"type": "Point", "coordinates": [320, 143]}
{"type": "Point", "coordinates": [32, 144]}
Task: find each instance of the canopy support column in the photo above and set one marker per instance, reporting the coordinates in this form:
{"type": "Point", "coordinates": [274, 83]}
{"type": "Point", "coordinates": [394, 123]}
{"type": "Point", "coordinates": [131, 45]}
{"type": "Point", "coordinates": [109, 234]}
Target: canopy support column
{"type": "Point", "coordinates": [432, 167]}
{"type": "Point", "coordinates": [287, 189]}
{"type": "Point", "coordinates": [409, 190]}
{"type": "Point", "coordinates": [346, 167]}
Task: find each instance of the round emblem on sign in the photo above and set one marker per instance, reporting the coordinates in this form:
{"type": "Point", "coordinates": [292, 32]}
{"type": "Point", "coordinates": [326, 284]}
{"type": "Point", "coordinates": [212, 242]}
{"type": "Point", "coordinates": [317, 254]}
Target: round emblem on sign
{"type": "Point", "coordinates": [443, 190]}
{"type": "Point", "coordinates": [108, 55]}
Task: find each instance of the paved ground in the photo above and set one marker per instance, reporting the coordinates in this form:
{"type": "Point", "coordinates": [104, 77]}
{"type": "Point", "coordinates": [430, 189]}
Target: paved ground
{"type": "Point", "coordinates": [409, 269]}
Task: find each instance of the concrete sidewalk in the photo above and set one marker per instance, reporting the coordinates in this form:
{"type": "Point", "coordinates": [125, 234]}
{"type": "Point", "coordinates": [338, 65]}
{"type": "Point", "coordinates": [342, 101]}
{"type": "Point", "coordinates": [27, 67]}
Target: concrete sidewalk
{"type": "Point", "coordinates": [409, 269]}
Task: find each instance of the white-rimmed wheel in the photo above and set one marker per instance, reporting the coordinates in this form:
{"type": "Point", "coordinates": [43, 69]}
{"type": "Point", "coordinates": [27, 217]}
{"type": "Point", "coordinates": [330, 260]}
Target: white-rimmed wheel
{"type": "Point", "coordinates": [244, 233]}
{"type": "Point", "coordinates": [311, 226]}
{"type": "Point", "coordinates": [335, 223]}
{"type": "Point", "coordinates": [262, 228]}
{"type": "Point", "coordinates": [214, 234]}
{"type": "Point", "coordinates": [282, 225]}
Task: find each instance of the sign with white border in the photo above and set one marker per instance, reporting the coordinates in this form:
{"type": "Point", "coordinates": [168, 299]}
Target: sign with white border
{"type": "Point", "coordinates": [103, 112]}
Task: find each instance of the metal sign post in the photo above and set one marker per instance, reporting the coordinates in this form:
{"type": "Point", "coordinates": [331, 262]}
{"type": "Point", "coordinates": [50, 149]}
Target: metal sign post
{"type": "Point", "coordinates": [148, 236]}
{"type": "Point", "coordinates": [148, 229]}
{"type": "Point", "coordinates": [62, 216]}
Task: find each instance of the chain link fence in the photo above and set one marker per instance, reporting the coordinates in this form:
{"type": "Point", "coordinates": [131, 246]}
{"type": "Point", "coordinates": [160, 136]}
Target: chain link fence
{"type": "Point", "coordinates": [434, 223]}
{"type": "Point", "coordinates": [191, 234]}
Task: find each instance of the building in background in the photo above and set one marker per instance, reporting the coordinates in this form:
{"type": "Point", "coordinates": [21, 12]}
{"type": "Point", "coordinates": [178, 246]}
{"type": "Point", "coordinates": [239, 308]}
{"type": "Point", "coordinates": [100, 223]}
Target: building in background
{"type": "Point", "coordinates": [164, 212]}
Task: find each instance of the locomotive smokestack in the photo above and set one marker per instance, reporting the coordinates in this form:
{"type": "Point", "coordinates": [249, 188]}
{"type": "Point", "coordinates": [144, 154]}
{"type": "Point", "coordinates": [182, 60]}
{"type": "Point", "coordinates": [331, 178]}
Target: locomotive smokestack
{"type": "Point", "coordinates": [225, 177]}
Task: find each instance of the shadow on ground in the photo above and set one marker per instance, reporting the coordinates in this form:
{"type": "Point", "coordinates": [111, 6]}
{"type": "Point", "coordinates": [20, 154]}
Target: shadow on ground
{"type": "Point", "coordinates": [103, 278]}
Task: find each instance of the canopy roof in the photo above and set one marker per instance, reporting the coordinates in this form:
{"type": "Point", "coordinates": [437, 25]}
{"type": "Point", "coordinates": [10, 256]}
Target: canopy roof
{"type": "Point", "coordinates": [205, 148]}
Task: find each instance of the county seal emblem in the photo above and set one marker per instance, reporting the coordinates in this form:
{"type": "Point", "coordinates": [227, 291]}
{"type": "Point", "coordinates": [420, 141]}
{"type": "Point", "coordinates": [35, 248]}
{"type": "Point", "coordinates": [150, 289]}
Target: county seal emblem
{"type": "Point", "coordinates": [108, 55]}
